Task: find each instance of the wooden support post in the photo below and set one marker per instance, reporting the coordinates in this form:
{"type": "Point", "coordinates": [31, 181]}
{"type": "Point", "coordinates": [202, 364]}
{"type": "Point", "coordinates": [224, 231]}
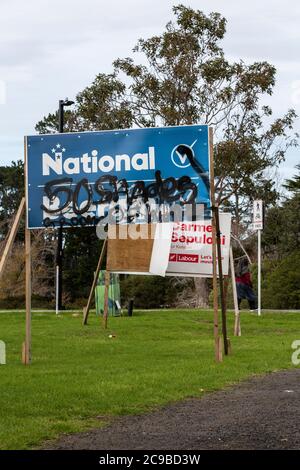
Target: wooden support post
{"type": "Point", "coordinates": [26, 351]}
{"type": "Point", "coordinates": [221, 284]}
{"type": "Point", "coordinates": [26, 356]}
{"type": "Point", "coordinates": [106, 292]}
{"type": "Point", "coordinates": [218, 350]}
{"type": "Point", "coordinates": [86, 309]}
{"type": "Point", "coordinates": [12, 236]}
{"type": "Point", "coordinates": [226, 282]}
{"type": "Point", "coordinates": [237, 321]}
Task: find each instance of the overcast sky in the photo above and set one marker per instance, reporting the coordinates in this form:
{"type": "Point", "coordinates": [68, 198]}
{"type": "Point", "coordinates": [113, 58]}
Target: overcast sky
{"type": "Point", "coordinates": [52, 49]}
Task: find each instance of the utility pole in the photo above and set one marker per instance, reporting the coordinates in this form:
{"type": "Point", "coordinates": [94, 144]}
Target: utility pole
{"type": "Point", "coordinates": [59, 248]}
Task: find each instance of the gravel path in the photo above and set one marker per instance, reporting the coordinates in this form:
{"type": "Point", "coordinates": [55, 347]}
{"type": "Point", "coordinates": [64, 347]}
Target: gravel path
{"type": "Point", "coordinates": [261, 413]}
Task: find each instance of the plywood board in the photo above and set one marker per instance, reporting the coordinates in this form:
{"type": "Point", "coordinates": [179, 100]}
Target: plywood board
{"type": "Point", "coordinates": [130, 255]}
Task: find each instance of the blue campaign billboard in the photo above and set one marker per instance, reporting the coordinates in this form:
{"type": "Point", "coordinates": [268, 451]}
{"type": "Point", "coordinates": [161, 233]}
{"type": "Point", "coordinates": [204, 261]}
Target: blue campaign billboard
{"type": "Point", "coordinates": [73, 179]}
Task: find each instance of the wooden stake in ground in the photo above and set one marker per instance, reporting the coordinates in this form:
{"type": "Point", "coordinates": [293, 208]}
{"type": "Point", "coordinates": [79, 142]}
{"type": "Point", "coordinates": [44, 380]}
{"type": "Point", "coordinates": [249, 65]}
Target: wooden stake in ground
{"type": "Point", "coordinates": [237, 321]}
{"type": "Point", "coordinates": [27, 344]}
{"type": "Point", "coordinates": [106, 292]}
{"type": "Point", "coordinates": [218, 350]}
{"type": "Point", "coordinates": [86, 309]}
{"type": "Point", "coordinates": [226, 282]}
{"type": "Point", "coordinates": [12, 236]}
{"type": "Point", "coordinates": [26, 352]}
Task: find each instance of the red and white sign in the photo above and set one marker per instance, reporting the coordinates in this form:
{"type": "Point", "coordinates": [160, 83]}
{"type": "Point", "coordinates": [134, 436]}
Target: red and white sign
{"type": "Point", "coordinates": [183, 258]}
{"type": "Point", "coordinates": [191, 247]}
{"type": "Point", "coordinates": [173, 257]}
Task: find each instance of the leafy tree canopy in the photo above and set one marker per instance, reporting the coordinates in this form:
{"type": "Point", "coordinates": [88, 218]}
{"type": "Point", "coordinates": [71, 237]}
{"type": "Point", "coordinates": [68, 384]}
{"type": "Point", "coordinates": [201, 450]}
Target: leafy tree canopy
{"type": "Point", "coordinates": [185, 78]}
{"type": "Point", "coordinates": [293, 184]}
{"type": "Point", "coordinates": [11, 193]}
{"type": "Point", "coordinates": [281, 234]}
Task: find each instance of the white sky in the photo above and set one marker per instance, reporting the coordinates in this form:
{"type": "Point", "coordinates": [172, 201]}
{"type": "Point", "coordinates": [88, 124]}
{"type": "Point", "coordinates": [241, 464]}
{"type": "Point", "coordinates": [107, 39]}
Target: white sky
{"type": "Point", "coordinates": [52, 49]}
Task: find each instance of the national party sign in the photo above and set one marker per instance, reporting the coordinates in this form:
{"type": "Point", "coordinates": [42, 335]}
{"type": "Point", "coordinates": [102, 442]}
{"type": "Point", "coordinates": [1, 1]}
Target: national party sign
{"type": "Point", "coordinates": [73, 179]}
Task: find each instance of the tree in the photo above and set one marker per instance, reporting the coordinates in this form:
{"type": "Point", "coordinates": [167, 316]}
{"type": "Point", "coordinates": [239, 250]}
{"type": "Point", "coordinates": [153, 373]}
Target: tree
{"type": "Point", "coordinates": [81, 253]}
{"type": "Point", "coordinates": [186, 79]}
{"type": "Point", "coordinates": [293, 184]}
{"type": "Point", "coordinates": [281, 235]}
{"type": "Point", "coordinates": [11, 193]}
{"type": "Point", "coordinates": [280, 242]}
{"type": "Point", "coordinates": [281, 281]}
{"type": "Point", "coordinates": [99, 106]}
{"type": "Point", "coordinates": [147, 292]}
{"type": "Point", "coordinates": [12, 284]}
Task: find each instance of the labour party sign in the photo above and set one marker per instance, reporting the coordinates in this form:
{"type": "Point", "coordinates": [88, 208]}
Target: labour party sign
{"type": "Point", "coordinates": [191, 248]}
{"type": "Point", "coordinates": [75, 179]}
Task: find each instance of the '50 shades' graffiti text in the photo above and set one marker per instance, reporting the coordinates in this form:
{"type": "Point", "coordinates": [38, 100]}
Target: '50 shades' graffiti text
{"type": "Point", "coordinates": [108, 189]}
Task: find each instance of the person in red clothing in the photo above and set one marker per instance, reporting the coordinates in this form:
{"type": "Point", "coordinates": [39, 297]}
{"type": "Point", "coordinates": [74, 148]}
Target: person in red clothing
{"type": "Point", "coordinates": [244, 284]}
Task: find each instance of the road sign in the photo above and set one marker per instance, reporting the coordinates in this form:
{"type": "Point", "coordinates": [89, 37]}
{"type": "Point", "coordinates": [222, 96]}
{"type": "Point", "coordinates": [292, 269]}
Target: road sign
{"type": "Point", "coordinates": [258, 216]}
{"type": "Point", "coordinates": [75, 178]}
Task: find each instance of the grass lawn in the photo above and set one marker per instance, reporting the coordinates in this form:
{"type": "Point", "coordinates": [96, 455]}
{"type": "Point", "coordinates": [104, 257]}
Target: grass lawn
{"type": "Point", "coordinates": [79, 377]}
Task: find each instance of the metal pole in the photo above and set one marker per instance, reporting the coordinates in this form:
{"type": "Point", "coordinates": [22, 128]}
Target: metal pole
{"type": "Point", "coordinates": [59, 248]}
{"type": "Point", "coordinates": [61, 116]}
{"type": "Point", "coordinates": [259, 273]}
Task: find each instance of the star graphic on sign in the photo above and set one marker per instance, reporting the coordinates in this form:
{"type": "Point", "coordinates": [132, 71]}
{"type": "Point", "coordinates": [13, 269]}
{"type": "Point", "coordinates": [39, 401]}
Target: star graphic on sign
{"type": "Point", "coordinates": [53, 150]}
{"type": "Point", "coordinates": [58, 146]}
{"type": "Point", "coordinates": [63, 149]}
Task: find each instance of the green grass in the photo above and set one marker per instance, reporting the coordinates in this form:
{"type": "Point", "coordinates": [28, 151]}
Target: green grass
{"type": "Point", "coordinates": [79, 377]}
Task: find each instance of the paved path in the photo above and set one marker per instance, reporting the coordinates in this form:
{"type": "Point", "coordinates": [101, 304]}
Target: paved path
{"type": "Point", "coordinates": [261, 413]}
